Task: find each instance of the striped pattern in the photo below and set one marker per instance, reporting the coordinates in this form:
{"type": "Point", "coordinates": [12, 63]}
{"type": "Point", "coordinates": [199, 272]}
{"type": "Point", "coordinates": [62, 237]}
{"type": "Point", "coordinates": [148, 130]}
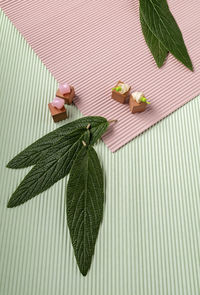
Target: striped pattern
{"type": "Point", "coordinates": [93, 44]}
{"type": "Point", "coordinates": [149, 242]}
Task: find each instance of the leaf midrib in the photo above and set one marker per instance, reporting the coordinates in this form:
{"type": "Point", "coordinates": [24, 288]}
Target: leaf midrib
{"type": "Point", "coordinates": [85, 206]}
{"type": "Point", "coordinates": [152, 31]}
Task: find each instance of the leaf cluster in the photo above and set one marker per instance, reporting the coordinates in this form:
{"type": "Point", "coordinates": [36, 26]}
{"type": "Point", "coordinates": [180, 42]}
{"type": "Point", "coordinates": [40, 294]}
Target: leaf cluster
{"type": "Point", "coordinates": [68, 149]}
{"type": "Point", "coordinates": [162, 33]}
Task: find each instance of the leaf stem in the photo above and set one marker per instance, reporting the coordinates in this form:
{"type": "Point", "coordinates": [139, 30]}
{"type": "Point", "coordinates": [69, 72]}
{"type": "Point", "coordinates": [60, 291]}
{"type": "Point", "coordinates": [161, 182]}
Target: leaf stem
{"type": "Point", "coordinates": [112, 121]}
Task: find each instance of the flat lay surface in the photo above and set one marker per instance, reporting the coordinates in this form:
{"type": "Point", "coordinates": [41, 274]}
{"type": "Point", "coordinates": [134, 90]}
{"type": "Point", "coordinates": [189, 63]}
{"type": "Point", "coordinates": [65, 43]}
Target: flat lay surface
{"type": "Point", "coordinates": [93, 44]}
{"type": "Point", "coordinates": [149, 239]}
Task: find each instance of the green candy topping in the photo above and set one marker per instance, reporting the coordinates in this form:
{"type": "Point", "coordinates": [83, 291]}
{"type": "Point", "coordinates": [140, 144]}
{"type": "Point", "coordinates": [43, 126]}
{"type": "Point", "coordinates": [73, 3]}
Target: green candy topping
{"type": "Point", "coordinates": [118, 88]}
{"type": "Point", "coordinates": [143, 99]}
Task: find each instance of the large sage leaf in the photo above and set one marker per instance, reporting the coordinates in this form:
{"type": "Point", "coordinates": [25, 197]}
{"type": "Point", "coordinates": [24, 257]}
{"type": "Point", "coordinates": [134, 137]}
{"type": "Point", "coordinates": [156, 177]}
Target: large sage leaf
{"type": "Point", "coordinates": [84, 200]}
{"type": "Point", "coordinates": [158, 51]}
{"type": "Point", "coordinates": [162, 24]}
{"type": "Point", "coordinates": [48, 144]}
{"type": "Point", "coordinates": [47, 172]}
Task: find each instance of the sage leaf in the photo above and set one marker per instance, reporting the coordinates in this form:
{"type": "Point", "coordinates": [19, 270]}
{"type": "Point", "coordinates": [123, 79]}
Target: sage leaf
{"type": "Point", "coordinates": [47, 172]}
{"type": "Point", "coordinates": [84, 202]}
{"type": "Point", "coordinates": [48, 144]}
{"type": "Point", "coordinates": [158, 51]}
{"type": "Point", "coordinates": [162, 24]}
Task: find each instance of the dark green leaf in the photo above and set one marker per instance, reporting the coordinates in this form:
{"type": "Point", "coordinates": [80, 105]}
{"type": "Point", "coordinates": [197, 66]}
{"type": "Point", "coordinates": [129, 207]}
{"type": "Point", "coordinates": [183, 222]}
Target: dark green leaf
{"type": "Point", "coordinates": [162, 24]}
{"type": "Point", "coordinates": [157, 49]}
{"type": "Point", "coordinates": [47, 172]}
{"type": "Point", "coordinates": [48, 144]}
{"type": "Point", "coordinates": [84, 202]}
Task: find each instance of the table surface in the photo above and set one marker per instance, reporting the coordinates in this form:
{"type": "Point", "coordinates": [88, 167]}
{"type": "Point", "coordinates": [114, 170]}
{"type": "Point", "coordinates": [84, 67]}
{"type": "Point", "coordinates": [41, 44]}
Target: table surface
{"type": "Point", "coordinates": [149, 239]}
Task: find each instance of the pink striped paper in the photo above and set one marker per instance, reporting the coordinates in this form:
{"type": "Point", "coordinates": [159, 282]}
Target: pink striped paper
{"type": "Point", "coordinates": [94, 43]}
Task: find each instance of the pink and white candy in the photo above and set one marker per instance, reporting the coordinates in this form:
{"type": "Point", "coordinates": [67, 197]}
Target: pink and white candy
{"type": "Point", "coordinates": [64, 88]}
{"type": "Point", "coordinates": [58, 103]}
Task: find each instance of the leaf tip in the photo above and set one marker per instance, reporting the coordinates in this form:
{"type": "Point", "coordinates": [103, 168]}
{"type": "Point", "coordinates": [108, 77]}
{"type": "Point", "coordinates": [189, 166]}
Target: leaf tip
{"type": "Point", "coordinates": [191, 68]}
{"type": "Point", "coordinates": [8, 165]}
{"type": "Point", "coordinates": [159, 65]}
{"type": "Point", "coordinates": [84, 269]}
{"type": "Point", "coordinates": [188, 64]}
{"type": "Point", "coordinates": [9, 204]}
{"type": "Point", "coordinates": [84, 273]}
{"type": "Point", "coordinates": [12, 165]}
{"type": "Point", "coordinates": [12, 202]}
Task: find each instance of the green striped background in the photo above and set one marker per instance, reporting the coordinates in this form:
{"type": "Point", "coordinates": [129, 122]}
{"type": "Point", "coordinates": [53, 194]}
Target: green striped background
{"type": "Point", "coordinates": [149, 239]}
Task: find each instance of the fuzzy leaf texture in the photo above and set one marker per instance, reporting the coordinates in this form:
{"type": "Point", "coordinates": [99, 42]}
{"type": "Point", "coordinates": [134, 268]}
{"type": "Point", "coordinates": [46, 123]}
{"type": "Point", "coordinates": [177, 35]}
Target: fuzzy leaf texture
{"type": "Point", "coordinates": [48, 144]}
{"type": "Point", "coordinates": [161, 23]}
{"type": "Point", "coordinates": [157, 49]}
{"type": "Point", "coordinates": [58, 159]}
{"type": "Point", "coordinates": [84, 202]}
